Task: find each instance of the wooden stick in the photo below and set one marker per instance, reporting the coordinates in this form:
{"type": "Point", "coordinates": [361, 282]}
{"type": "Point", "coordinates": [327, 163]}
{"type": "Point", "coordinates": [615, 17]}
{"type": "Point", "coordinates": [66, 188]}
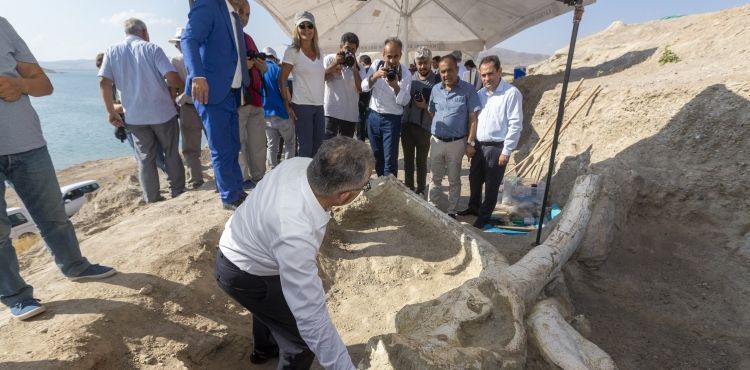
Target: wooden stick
{"type": "Point", "coordinates": [549, 122]}
{"type": "Point", "coordinates": [525, 162]}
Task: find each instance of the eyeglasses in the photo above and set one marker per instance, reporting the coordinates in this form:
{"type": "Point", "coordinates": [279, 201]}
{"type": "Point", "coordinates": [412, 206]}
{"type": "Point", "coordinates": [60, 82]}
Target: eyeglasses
{"type": "Point", "coordinates": [366, 187]}
{"type": "Point", "coordinates": [306, 26]}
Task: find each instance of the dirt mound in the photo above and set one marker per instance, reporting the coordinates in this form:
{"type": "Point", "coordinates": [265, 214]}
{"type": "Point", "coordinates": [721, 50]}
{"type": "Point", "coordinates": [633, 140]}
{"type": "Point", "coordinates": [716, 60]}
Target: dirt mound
{"type": "Point", "coordinates": [672, 141]}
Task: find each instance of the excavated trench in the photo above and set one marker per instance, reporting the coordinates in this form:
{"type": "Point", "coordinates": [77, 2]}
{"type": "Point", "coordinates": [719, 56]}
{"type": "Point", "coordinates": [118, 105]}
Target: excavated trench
{"type": "Point", "coordinates": [387, 251]}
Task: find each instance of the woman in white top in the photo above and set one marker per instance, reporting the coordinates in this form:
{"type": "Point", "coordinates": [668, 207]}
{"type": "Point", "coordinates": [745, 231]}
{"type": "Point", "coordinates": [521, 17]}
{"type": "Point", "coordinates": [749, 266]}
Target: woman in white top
{"type": "Point", "coordinates": [305, 107]}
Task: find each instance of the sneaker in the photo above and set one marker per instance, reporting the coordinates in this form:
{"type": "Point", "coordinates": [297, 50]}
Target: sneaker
{"type": "Point", "coordinates": [94, 272]}
{"type": "Point", "coordinates": [27, 308]}
{"type": "Point", "coordinates": [452, 215]}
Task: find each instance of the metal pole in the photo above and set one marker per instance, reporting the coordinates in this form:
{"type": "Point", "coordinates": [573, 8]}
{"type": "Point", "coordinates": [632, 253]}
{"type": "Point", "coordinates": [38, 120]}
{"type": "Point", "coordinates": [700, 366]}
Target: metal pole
{"type": "Point", "coordinates": [560, 111]}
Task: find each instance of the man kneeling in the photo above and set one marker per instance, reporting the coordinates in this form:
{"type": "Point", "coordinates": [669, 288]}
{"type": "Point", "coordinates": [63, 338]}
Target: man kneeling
{"type": "Point", "coordinates": [267, 253]}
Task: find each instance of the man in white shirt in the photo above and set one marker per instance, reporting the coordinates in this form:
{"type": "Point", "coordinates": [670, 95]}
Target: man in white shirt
{"type": "Point", "coordinates": [267, 253]}
{"type": "Point", "coordinates": [498, 131]}
{"type": "Point", "coordinates": [390, 85]}
{"type": "Point", "coordinates": [343, 85]}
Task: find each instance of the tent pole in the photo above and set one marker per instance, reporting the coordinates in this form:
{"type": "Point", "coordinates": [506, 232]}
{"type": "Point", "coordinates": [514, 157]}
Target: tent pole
{"type": "Point", "coordinates": [560, 111]}
{"type": "Point", "coordinates": [404, 32]}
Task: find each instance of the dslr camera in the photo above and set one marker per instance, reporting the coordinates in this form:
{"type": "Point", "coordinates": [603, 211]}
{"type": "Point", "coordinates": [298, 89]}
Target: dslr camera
{"type": "Point", "coordinates": [254, 55]}
{"type": "Point", "coordinates": [419, 96]}
{"type": "Point", "coordinates": [392, 73]}
{"type": "Point", "coordinates": [349, 58]}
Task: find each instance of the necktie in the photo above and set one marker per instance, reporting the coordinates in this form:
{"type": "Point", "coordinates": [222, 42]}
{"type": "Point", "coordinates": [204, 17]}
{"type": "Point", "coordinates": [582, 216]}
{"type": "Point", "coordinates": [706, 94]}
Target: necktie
{"type": "Point", "coordinates": [242, 50]}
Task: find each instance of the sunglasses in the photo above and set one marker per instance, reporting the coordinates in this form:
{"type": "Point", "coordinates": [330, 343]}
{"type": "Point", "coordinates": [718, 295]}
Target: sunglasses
{"type": "Point", "coordinates": [306, 26]}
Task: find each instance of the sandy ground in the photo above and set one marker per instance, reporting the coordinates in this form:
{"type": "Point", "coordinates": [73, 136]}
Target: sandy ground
{"type": "Point", "coordinates": [672, 140]}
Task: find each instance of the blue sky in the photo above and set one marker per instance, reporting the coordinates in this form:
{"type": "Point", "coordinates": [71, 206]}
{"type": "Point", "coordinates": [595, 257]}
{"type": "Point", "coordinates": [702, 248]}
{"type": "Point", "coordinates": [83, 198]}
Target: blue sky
{"type": "Point", "coordinates": [78, 29]}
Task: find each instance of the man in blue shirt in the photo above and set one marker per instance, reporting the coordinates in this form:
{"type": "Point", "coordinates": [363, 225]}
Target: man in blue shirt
{"type": "Point", "coordinates": [453, 106]}
{"type": "Point", "coordinates": [139, 69]}
{"type": "Point", "coordinates": [278, 125]}
{"type": "Point", "coordinates": [25, 163]}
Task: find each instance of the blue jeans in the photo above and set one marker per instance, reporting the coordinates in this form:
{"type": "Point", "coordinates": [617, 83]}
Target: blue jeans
{"type": "Point", "coordinates": [33, 178]}
{"type": "Point", "coordinates": [384, 131]}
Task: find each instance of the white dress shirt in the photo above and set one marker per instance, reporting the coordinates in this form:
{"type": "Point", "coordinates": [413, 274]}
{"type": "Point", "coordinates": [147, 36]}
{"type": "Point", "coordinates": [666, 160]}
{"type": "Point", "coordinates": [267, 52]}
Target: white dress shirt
{"type": "Point", "coordinates": [277, 231]}
{"type": "Point", "coordinates": [237, 80]}
{"type": "Point", "coordinates": [501, 118]}
{"type": "Point", "coordinates": [384, 99]}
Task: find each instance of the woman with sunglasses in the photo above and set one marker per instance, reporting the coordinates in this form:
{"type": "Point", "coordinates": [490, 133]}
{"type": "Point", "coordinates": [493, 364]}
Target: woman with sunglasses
{"type": "Point", "coordinates": [305, 108]}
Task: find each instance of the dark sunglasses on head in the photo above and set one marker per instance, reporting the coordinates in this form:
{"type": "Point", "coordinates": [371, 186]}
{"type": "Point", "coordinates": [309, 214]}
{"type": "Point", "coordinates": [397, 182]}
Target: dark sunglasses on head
{"type": "Point", "coordinates": [308, 26]}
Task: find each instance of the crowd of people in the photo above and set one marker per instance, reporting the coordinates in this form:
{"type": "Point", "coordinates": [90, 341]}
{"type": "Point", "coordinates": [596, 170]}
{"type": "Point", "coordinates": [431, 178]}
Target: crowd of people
{"type": "Point", "coordinates": [437, 110]}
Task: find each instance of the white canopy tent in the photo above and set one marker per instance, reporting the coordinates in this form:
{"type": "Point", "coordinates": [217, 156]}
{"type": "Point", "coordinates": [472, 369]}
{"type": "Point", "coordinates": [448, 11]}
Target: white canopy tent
{"type": "Point", "coordinates": [441, 25]}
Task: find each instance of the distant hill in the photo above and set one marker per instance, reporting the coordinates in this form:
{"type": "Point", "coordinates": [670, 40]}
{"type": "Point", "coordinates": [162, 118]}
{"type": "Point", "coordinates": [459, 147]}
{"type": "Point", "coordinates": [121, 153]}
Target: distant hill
{"type": "Point", "coordinates": [68, 65]}
{"type": "Point", "coordinates": [510, 58]}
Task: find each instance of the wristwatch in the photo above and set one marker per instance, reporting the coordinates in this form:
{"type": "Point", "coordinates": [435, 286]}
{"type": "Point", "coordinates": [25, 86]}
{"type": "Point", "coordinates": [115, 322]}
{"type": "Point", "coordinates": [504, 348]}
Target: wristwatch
{"type": "Point", "coordinates": [472, 143]}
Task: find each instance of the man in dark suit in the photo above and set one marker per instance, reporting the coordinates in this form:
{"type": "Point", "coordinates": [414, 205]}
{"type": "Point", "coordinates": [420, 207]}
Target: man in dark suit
{"type": "Point", "coordinates": [214, 50]}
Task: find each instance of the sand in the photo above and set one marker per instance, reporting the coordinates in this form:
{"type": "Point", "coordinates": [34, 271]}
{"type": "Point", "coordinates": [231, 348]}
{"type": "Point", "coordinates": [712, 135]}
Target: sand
{"type": "Point", "coordinates": [671, 141]}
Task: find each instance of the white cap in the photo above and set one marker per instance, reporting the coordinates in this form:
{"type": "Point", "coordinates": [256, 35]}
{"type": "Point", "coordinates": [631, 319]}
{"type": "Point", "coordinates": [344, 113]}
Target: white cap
{"type": "Point", "coordinates": [303, 16]}
{"type": "Point", "coordinates": [271, 52]}
{"type": "Point", "coordinates": [177, 36]}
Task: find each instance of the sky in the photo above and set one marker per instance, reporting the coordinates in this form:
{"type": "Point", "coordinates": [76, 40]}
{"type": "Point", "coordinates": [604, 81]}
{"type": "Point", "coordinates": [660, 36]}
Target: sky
{"type": "Point", "coordinates": [79, 29]}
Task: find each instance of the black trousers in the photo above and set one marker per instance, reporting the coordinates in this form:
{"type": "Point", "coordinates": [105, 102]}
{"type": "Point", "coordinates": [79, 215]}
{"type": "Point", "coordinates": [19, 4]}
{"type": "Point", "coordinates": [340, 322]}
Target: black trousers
{"type": "Point", "coordinates": [364, 103]}
{"type": "Point", "coordinates": [335, 126]}
{"type": "Point", "coordinates": [484, 170]}
{"type": "Point", "coordinates": [274, 326]}
{"type": "Point", "coordinates": [415, 142]}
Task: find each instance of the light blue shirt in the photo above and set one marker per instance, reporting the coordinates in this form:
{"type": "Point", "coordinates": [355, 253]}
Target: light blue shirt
{"type": "Point", "coordinates": [501, 118]}
{"type": "Point", "coordinates": [452, 108]}
{"type": "Point", "coordinates": [138, 69]}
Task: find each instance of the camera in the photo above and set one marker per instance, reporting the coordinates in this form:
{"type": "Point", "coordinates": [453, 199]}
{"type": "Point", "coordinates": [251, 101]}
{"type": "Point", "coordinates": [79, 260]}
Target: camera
{"type": "Point", "coordinates": [120, 134]}
{"type": "Point", "coordinates": [418, 96]}
{"type": "Point", "coordinates": [349, 58]}
{"type": "Point", "coordinates": [254, 55]}
{"type": "Point", "coordinates": [391, 74]}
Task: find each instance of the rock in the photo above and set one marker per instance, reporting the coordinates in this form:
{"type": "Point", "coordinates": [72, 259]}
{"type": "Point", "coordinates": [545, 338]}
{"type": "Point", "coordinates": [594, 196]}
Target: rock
{"type": "Point", "coordinates": [146, 290]}
{"type": "Point", "coordinates": [43, 331]}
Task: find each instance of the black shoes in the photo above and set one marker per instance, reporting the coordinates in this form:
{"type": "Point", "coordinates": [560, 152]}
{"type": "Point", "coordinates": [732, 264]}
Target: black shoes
{"type": "Point", "coordinates": [467, 212]}
{"type": "Point", "coordinates": [480, 222]}
{"type": "Point", "coordinates": [452, 215]}
{"type": "Point", "coordinates": [261, 358]}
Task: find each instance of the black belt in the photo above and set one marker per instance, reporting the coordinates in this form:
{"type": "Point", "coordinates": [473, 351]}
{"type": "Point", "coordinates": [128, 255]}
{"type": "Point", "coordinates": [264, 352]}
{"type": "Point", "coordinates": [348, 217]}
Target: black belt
{"type": "Point", "coordinates": [491, 143]}
{"type": "Point", "coordinates": [448, 139]}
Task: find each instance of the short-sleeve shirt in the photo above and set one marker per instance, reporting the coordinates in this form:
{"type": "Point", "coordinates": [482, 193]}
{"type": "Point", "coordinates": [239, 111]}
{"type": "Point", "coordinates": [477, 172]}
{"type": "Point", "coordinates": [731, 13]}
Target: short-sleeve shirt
{"type": "Point", "coordinates": [138, 68]}
{"type": "Point", "coordinates": [341, 97]}
{"type": "Point", "coordinates": [273, 105]}
{"type": "Point", "coordinates": [20, 130]}
{"type": "Point", "coordinates": [452, 108]}
{"type": "Point", "coordinates": [309, 77]}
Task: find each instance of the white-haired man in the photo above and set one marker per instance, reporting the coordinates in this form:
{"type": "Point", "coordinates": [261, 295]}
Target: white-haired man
{"type": "Point", "coordinates": [139, 68]}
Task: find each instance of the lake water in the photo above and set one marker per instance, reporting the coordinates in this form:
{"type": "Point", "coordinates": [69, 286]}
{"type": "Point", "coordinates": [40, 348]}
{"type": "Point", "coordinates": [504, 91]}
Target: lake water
{"type": "Point", "coordinates": [74, 121]}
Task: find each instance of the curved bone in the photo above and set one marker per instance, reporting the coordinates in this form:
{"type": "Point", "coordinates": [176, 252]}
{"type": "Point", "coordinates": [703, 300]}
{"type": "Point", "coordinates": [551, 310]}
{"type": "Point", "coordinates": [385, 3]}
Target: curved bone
{"type": "Point", "coordinates": [538, 267]}
{"type": "Point", "coordinates": [481, 324]}
{"type": "Point", "coordinates": [562, 345]}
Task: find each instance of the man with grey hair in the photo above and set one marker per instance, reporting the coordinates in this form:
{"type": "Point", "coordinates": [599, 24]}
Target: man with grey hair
{"type": "Point", "coordinates": [139, 69]}
{"type": "Point", "coordinates": [390, 85]}
{"type": "Point", "coordinates": [267, 253]}
{"type": "Point", "coordinates": [416, 122]}
{"type": "Point", "coordinates": [461, 68]}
